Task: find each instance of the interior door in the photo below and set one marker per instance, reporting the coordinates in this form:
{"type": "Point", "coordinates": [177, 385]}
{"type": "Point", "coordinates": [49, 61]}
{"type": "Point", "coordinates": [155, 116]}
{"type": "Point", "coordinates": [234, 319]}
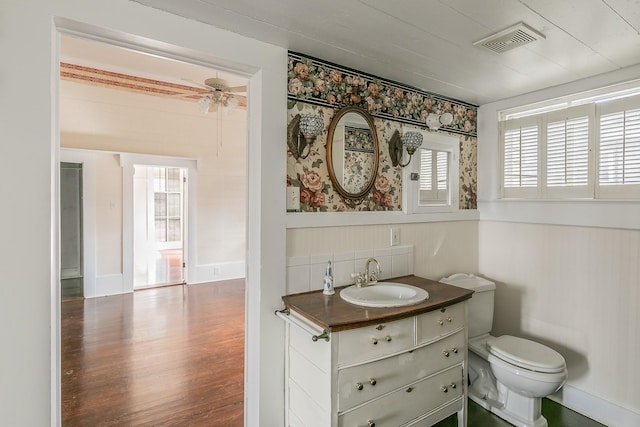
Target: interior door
{"type": "Point", "coordinates": [158, 227]}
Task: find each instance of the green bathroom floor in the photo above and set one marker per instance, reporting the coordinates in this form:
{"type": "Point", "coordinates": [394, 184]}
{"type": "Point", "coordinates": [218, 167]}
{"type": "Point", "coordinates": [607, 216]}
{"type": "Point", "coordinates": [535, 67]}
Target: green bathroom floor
{"type": "Point", "coordinates": [556, 415]}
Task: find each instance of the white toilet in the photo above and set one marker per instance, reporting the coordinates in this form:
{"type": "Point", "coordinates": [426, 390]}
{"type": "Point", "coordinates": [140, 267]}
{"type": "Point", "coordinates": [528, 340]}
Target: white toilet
{"type": "Point", "coordinates": [508, 375]}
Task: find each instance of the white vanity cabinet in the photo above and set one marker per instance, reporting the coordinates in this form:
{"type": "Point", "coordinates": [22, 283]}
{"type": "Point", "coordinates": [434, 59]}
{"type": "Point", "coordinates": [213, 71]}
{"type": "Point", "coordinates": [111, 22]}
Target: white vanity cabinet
{"type": "Point", "coordinates": [406, 372]}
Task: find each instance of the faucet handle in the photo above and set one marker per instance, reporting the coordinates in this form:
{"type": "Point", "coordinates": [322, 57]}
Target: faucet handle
{"type": "Point", "coordinates": [358, 278]}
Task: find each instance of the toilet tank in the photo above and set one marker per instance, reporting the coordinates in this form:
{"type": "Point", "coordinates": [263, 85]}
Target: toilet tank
{"type": "Point", "coordinates": [480, 306]}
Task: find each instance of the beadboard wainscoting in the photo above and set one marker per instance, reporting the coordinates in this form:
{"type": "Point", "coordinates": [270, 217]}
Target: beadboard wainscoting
{"type": "Point", "coordinates": [576, 289]}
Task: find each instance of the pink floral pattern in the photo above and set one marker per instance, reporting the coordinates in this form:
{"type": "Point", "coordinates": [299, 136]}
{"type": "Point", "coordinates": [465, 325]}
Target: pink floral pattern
{"type": "Point", "coordinates": [319, 88]}
{"type": "Point", "coordinates": [318, 82]}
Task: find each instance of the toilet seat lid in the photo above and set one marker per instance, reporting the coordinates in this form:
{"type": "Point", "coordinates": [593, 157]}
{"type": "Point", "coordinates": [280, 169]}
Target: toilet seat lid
{"type": "Point", "coordinates": [527, 354]}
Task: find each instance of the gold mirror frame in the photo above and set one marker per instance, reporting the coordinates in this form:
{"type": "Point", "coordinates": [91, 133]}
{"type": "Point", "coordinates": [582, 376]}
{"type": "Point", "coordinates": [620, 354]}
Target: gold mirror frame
{"type": "Point", "coordinates": [352, 198]}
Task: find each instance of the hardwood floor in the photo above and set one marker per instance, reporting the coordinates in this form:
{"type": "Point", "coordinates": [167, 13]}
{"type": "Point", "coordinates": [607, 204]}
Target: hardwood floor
{"type": "Point", "coordinates": [170, 356]}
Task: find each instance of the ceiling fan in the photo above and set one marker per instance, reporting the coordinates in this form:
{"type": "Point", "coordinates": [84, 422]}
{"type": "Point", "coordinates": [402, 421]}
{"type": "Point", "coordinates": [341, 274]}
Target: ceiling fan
{"type": "Point", "coordinates": [219, 93]}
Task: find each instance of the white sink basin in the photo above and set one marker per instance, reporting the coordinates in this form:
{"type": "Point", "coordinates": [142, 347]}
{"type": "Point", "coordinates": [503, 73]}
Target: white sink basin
{"type": "Point", "coordinates": [384, 294]}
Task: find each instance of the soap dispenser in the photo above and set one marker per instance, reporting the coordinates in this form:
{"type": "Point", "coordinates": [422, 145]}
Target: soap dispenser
{"type": "Point", "coordinates": [328, 281]}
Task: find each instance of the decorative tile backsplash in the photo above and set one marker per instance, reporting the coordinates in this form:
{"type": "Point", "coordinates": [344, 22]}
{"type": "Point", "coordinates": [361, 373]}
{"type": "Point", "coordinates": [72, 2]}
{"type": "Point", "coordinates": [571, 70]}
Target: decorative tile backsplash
{"type": "Point", "coordinates": [317, 87]}
{"type": "Point", "coordinates": [306, 273]}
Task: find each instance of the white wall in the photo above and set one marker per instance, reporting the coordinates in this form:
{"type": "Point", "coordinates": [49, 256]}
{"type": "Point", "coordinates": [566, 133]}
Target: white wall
{"type": "Point", "coordinates": [568, 274]}
{"type": "Point", "coordinates": [29, 392]}
{"type": "Point", "coordinates": [112, 121]}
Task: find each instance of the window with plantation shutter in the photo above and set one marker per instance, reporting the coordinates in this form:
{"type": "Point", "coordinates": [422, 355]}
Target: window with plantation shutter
{"type": "Point", "coordinates": [520, 150]}
{"type": "Point", "coordinates": [521, 157]}
{"type": "Point", "coordinates": [582, 146]}
{"type": "Point", "coordinates": [619, 151]}
{"type": "Point", "coordinates": [432, 175]}
{"type": "Point", "coordinates": [568, 152]}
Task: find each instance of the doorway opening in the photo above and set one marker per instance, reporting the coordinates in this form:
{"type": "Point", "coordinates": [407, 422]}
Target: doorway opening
{"type": "Point", "coordinates": [159, 214]}
{"type": "Point", "coordinates": [123, 126]}
{"type": "Point", "coordinates": [71, 234]}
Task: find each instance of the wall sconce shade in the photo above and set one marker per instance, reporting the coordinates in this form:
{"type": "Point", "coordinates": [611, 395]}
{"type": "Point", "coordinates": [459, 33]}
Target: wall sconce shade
{"type": "Point", "coordinates": [309, 126]}
{"type": "Point", "coordinates": [434, 121]}
{"type": "Point", "coordinates": [411, 141]}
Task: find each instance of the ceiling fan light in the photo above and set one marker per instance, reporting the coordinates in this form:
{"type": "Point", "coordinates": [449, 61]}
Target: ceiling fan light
{"type": "Point", "coordinates": [204, 103]}
{"type": "Point", "coordinates": [232, 102]}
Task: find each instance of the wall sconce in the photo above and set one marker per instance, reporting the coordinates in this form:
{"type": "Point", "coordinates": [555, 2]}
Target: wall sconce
{"type": "Point", "coordinates": [410, 141]}
{"type": "Point", "coordinates": [434, 121]}
{"type": "Point", "coordinates": [309, 126]}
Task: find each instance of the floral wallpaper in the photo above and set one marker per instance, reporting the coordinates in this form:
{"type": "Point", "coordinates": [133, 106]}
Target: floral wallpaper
{"type": "Point", "coordinates": [319, 88]}
{"type": "Point", "coordinates": [319, 82]}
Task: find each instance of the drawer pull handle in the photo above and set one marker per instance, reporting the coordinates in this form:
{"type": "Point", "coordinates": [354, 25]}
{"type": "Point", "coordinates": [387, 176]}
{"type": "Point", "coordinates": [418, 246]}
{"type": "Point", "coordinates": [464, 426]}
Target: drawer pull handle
{"type": "Point", "coordinates": [373, 381]}
{"type": "Point", "coordinates": [374, 341]}
{"type": "Point", "coordinates": [371, 424]}
{"type": "Point", "coordinates": [359, 386]}
{"type": "Point", "coordinates": [388, 338]}
{"type": "Point", "coordinates": [455, 350]}
{"type": "Point", "coordinates": [444, 389]}
{"type": "Point", "coordinates": [380, 327]}
{"type": "Point", "coordinates": [410, 389]}
{"type": "Point", "coordinates": [440, 322]}
{"type": "Point", "coordinates": [449, 319]}
{"type": "Point", "coordinates": [452, 385]}
{"type": "Point", "coordinates": [446, 353]}
{"type": "Point", "coordinates": [323, 336]}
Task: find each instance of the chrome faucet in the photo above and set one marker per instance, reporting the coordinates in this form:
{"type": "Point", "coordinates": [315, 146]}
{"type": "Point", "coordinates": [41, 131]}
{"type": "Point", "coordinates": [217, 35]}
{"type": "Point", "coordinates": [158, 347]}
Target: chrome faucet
{"type": "Point", "coordinates": [368, 278]}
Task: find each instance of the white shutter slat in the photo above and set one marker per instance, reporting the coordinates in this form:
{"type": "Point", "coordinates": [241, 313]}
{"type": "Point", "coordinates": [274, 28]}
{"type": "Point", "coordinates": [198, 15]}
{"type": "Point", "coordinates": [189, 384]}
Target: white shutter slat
{"type": "Point", "coordinates": [425, 169]}
{"type": "Point", "coordinates": [520, 162]}
{"type": "Point", "coordinates": [434, 177]}
{"type": "Point", "coordinates": [568, 152]}
{"type": "Point", "coordinates": [620, 148]}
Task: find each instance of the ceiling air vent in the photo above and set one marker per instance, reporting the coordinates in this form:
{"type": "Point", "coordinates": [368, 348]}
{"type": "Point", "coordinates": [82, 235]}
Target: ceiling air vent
{"type": "Point", "coordinates": [510, 38]}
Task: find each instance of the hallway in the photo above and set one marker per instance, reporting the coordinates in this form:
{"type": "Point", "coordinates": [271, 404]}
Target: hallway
{"type": "Point", "coordinates": [165, 356]}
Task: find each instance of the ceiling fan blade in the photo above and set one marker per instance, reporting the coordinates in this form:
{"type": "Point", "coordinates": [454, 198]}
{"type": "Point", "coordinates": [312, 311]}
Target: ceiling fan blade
{"type": "Point", "coordinates": [194, 94]}
{"type": "Point", "coordinates": [236, 89]}
{"type": "Point", "coordinates": [241, 98]}
{"type": "Point", "coordinates": [199, 84]}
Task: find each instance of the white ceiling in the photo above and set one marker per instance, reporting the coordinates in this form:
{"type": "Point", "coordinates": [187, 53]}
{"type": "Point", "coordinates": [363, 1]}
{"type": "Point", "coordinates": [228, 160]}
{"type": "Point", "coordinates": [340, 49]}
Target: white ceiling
{"type": "Point", "coordinates": [429, 43]}
{"type": "Point", "coordinates": [89, 53]}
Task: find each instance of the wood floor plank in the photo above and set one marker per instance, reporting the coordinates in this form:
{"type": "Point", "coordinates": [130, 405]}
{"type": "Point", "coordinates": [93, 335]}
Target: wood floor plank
{"type": "Point", "coordinates": [169, 356]}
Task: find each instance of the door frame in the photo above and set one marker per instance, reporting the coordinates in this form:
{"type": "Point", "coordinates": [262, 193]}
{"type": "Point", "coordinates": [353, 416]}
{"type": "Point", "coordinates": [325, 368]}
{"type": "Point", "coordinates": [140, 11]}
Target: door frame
{"type": "Point", "coordinates": [265, 67]}
{"type": "Point", "coordinates": [127, 162]}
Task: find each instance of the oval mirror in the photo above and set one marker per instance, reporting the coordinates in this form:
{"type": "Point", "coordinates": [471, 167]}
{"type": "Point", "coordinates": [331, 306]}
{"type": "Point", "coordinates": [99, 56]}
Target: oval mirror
{"type": "Point", "coordinates": [352, 154]}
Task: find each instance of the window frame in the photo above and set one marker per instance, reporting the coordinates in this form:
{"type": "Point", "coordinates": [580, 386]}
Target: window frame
{"type": "Point", "coordinates": [411, 198]}
{"type": "Point", "coordinates": [592, 190]}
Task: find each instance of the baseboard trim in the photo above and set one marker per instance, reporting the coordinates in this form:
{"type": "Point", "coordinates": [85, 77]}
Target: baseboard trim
{"type": "Point", "coordinates": [217, 272]}
{"type": "Point", "coordinates": [596, 408]}
{"type": "Point", "coordinates": [111, 284]}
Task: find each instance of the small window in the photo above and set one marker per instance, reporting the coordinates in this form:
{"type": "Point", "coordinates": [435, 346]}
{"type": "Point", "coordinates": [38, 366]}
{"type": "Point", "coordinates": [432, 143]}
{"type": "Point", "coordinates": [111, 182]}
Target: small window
{"type": "Point", "coordinates": [434, 177]}
{"type": "Point", "coordinates": [590, 150]}
{"type": "Point", "coordinates": [431, 179]}
{"type": "Point", "coordinates": [167, 212]}
{"type": "Point", "coordinates": [619, 151]}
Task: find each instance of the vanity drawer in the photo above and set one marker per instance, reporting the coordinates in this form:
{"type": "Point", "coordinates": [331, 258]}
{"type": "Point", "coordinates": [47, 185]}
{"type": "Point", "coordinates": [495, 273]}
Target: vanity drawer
{"type": "Point", "coordinates": [440, 322]}
{"type": "Point", "coordinates": [372, 342]}
{"type": "Point", "coordinates": [407, 403]}
{"type": "Point", "coordinates": [358, 384]}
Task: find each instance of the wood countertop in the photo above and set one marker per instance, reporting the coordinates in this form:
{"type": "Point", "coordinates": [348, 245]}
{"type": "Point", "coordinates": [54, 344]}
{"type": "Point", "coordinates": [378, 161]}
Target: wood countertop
{"type": "Point", "coordinates": [334, 314]}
